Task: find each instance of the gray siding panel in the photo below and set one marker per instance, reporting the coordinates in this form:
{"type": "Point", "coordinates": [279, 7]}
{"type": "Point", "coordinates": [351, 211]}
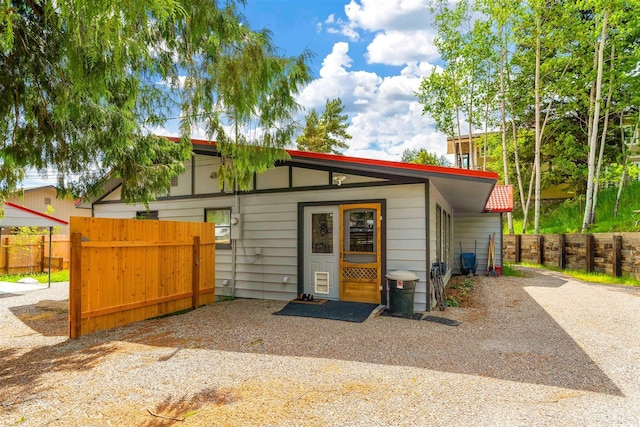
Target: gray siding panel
{"type": "Point", "coordinates": [473, 231]}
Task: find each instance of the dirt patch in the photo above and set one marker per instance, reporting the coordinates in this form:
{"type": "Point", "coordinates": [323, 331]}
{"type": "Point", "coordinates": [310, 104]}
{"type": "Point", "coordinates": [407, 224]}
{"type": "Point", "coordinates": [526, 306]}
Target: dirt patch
{"type": "Point", "coordinates": [461, 291]}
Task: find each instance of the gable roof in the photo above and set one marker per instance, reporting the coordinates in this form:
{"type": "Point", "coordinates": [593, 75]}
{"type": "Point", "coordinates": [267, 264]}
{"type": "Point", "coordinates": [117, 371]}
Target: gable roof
{"type": "Point", "coordinates": [19, 216]}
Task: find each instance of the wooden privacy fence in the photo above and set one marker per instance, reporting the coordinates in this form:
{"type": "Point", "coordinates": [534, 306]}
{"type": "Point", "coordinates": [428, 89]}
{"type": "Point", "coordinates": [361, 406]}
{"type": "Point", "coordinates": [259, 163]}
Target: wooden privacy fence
{"type": "Point", "coordinates": [614, 254]}
{"type": "Point", "coordinates": [25, 254]}
{"type": "Point", "coordinates": [126, 270]}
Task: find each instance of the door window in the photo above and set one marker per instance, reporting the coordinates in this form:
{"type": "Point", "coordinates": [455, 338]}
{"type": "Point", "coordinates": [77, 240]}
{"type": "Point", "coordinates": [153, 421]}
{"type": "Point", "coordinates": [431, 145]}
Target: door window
{"type": "Point", "coordinates": [322, 233]}
{"type": "Point", "coordinates": [361, 231]}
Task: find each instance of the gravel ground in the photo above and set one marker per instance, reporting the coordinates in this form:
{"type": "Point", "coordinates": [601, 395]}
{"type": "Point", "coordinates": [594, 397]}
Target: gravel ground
{"type": "Point", "coordinates": [537, 351]}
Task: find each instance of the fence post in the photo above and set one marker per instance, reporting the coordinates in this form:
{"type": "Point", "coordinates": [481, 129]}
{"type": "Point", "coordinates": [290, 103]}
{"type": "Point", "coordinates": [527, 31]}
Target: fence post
{"type": "Point", "coordinates": [195, 273]}
{"type": "Point", "coordinates": [518, 243]}
{"type": "Point", "coordinates": [617, 256]}
{"type": "Point", "coordinates": [75, 286]}
{"type": "Point", "coordinates": [562, 251]}
{"type": "Point", "coordinates": [540, 239]}
{"type": "Point", "coordinates": [589, 253]}
{"type": "Point", "coordinates": [6, 255]}
{"type": "Point", "coordinates": [42, 254]}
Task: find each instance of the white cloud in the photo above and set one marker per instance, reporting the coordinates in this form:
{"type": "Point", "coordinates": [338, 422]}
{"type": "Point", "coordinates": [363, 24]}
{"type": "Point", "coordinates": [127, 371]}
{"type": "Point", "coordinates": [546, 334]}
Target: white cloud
{"type": "Point", "coordinates": [398, 48]}
{"type": "Point", "coordinates": [376, 15]}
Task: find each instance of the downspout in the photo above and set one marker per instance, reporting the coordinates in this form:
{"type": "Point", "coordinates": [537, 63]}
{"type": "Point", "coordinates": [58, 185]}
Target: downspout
{"type": "Point", "coordinates": [234, 246]}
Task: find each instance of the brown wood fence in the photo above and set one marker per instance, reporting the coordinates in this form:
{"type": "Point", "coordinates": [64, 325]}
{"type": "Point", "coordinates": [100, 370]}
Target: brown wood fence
{"type": "Point", "coordinates": [614, 254]}
{"type": "Point", "coordinates": [30, 254]}
{"type": "Point", "coordinates": [126, 270]}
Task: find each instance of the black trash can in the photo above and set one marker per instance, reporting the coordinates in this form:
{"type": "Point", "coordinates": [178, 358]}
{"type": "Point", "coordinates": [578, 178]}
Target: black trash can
{"type": "Point", "coordinates": [402, 288]}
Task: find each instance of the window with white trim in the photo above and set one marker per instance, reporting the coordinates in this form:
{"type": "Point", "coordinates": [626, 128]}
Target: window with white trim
{"type": "Point", "coordinates": [222, 218]}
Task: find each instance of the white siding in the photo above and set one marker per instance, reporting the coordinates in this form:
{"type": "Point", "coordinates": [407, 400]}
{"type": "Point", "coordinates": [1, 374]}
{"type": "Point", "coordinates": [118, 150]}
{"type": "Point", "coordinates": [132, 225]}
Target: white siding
{"type": "Point", "coordinates": [270, 223]}
{"type": "Point", "coordinates": [273, 178]}
{"type": "Point", "coordinates": [205, 174]}
{"type": "Point", "coordinates": [472, 231]}
{"type": "Point", "coordinates": [309, 177]}
{"type": "Point", "coordinates": [436, 199]}
{"type": "Point", "coordinates": [37, 199]}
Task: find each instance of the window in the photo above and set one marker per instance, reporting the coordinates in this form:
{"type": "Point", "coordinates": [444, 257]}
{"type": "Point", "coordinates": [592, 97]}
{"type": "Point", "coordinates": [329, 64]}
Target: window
{"type": "Point", "coordinates": [174, 181]}
{"type": "Point", "coordinates": [438, 233]}
{"type": "Point", "coordinates": [443, 236]}
{"type": "Point", "coordinates": [47, 201]}
{"type": "Point", "coordinates": [322, 233]}
{"type": "Point", "coordinates": [147, 215]}
{"type": "Point", "coordinates": [222, 218]}
{"type": "Point", "coordinates": [361, 236]}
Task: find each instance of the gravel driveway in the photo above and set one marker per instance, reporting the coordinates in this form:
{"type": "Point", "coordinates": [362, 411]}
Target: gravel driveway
{"type": "Point", "coordinates": [541, 350]}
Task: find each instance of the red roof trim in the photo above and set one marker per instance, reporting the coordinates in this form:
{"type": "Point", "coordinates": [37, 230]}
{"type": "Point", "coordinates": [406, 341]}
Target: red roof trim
{"type": "Point", "coordinates": [373, 162]}
{"type": "Point", "coordinates": [31, 211]}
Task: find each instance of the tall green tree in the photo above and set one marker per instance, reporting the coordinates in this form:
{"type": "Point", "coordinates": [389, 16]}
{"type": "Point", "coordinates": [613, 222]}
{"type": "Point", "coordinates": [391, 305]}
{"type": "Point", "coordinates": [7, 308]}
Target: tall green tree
{"type": "Point", "coordinates": [422, 157]}
{"type": "Point", "coordinates": [326, 133]}
{"type": "Point", "coordinates": [82, 82]}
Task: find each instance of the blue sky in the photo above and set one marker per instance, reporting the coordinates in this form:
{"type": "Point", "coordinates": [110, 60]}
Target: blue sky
{"type": "Point", "coordinates": [370, 53]}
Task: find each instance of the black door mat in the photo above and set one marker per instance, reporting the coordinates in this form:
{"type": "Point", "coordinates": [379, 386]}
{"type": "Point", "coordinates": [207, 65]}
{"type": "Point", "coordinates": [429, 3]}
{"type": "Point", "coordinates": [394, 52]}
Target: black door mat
{"type": "Point", "coordinates": [356, 312]}
{"type": "Point", "coordinates": [313, 302]}
{"type": "Point", "coordinates": [441, 320]}
{"type": "Point", "coordinates": [414, 316]}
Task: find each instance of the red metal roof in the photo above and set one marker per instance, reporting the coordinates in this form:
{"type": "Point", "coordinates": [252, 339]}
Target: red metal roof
{"type": "Point", "coordinates": [24, 216]}
{"type": "Point", "coordinates": [501, 199]}
{"type": "Point", "coordinates": [373, 162]}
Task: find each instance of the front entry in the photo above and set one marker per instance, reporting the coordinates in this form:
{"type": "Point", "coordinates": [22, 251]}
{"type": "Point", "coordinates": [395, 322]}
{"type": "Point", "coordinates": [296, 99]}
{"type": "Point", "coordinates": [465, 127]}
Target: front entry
{"type": "Point", "coordinates": [342, 252]}
{"type": "Point", "coordinates": [321, 252]}
{"type": "Point", "coordinates": [360, 254]}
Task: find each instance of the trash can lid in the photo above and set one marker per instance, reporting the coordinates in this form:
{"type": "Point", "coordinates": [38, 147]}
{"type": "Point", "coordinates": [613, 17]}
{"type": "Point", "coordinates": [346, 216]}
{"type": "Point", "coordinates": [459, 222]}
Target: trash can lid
{"type": "Point", "coordinates": [401, 275]}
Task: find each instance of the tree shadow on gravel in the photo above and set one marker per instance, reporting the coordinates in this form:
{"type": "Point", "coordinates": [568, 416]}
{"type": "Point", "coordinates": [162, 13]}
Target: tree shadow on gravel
{"type": "Point", "coordinates": [46, 322]}
{"type": "Point", "coordinates": [174, 410]}
{"type": "Point", "coordinates": [20, 373]}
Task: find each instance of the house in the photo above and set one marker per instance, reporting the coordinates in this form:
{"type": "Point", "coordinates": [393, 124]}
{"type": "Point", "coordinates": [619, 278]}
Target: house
{"type": "Point", "coordinates": [40, 198]}
{"type": "Point", "coordinates": [327, 225]}
{"type": "Point", "coordinates": [466, 153]}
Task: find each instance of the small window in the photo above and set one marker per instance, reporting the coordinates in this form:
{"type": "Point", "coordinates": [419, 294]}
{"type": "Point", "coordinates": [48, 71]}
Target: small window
{"type": "Point", "coordinates": [174, 181]}
{"type": "Point", "coordinates": [147, 215]}
{"type": "Point", "coordinates": [47, 201]}
{"type": "Point", "coordinates": [361, 234]}
{"type": "Point", "coordinates": [222, 219]}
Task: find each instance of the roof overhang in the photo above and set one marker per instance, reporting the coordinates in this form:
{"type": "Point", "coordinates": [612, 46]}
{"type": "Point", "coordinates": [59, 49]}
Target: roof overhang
{"type": "Point", "coordinates": [464, 189]}
{"type": "Point", "coordinates": [19, 216]}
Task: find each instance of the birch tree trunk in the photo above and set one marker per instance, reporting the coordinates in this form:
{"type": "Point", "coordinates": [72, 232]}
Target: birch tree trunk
{"type": "Point", "coordinates": [503, 117]}
{"type": "Point", "coordinates": [586, 222]}
{"type": "Point", "coordinates": [603, 138]}
{"type": "Point", "coordinates": [538, 133]}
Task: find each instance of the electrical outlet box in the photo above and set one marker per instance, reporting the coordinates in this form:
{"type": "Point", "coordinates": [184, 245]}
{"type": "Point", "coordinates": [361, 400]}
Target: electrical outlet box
{"type": "Point", "coordinates": [236, 226]}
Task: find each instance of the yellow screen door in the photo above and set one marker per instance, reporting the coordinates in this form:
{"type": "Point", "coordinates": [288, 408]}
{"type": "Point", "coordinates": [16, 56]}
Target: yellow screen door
{"type": "Point", "coordinates": [360, 254]}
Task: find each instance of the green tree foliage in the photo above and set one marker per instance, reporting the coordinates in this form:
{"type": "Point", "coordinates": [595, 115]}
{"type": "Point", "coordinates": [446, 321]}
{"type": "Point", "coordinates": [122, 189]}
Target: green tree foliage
{"type": "Point", "coordinates": [82, 82]}
{"type": "Point", "coordinates": [568, 84]}
{"type": "Point", "coordinates": [422, 157]}
{"type": "Point", "coordinates": [326, 133]}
